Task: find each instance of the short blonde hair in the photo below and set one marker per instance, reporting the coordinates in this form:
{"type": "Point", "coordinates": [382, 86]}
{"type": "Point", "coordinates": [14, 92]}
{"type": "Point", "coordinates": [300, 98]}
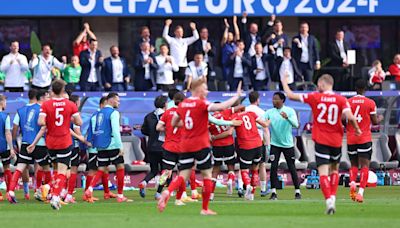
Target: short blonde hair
{"type": "Point", "coordinates": [327, 78]}
{"type": "Point", "coordinates": [376, 63]}
{"type": "Point", "coordinates": [197, 83]}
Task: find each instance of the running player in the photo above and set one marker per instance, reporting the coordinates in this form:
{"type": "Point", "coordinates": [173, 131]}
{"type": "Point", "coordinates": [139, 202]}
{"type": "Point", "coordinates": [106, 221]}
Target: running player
{"type": "Point", "coordinates": [249, 149]}
{"type": "Point", "coordinates": [107, 140]}
{"type": "Point", "coordinates": [327, 108]}
{"type": "Point", "coordinates": [360, 147]}
{"type": "Point", "coordinates": [26, 119]}
{"type": "Point", "coordinates": [56, 115]}
{"type": "Point", "coordinates": [192, 114]}
{"type": "Point", "coordinates": [6, 147]}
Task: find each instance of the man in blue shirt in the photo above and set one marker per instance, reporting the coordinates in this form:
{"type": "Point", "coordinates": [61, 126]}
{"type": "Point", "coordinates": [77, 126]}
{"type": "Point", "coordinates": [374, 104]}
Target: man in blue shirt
{"type": "Point", "coordinates": [283, 119]}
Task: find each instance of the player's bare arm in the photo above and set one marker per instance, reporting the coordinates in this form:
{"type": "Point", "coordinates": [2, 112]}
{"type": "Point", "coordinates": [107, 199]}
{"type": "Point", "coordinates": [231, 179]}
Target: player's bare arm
{"type": "Point", "coordinates": [160, 126]}
{"type": "Point", "coordinates": [9, 142]}
{"type": "Point", "coordinates": [289, 93]}
{"type": "Point", "coordinates": [228, 103]}
{"type": "Point", "coordinates": [353, 121]}
{"type": "Point", "coordinates": [40, 134]}
{"type": "Point", "coordinates": [77, 120]}
{"type": "Point", "coordinates": [76, 133]}
{"type": "Point", "coordinates": [176, 121]}
{"type": "Point", "coordinates": [223, 134]}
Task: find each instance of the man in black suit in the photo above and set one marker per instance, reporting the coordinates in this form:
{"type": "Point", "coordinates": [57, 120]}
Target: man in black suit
{"type": "Point", "coordinates": [287, 66]}
{"type": "Point", "coordinates": [305, 52]}
{"type": "Point", "coordinates": [145, 68]}
{"type": "Point", "coordinates": [145, 36]}
{"type": "Point", "coordinates": [239, 63]}
{"type": "Point", "coordinates": [259, 72]}
{"type": "Point", "coordinates": [250, 36]}
{"type": "Point", "coordinates": [338, 55]}
{"type": "Point", "coordinates": [91, 61]}
{"type": "Point", "coordinates": [207, 47]}
{"type": "Point", "coordinates": [115, 72]}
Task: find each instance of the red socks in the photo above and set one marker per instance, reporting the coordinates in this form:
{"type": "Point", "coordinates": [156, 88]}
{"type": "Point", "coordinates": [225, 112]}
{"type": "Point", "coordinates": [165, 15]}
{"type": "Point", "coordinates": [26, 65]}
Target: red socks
{"type": "Point", "coordinates": [353, 173]}
{"type": "Point", "coordinates": [88, 181]}
{"type": "Point", "coordinates": [231, 176]}
{"type": "Point", "coordinates": [39, 178]}
{"type": "Point", "coordinates": [8, 178]}
{"type": "Point", "coordinates": [325, 186]}
{"type": "Point", "coordinates": [254, 178]}
{"type": "Point", "coordinates": [176, 183]}
{"type": "Point", "coordinates": [47, 177]}
{"type": "Point", "coordinates": [207, 186]}
{"type": "Point", "coordinates": [214, 184]}
{"type": "Point", "coordinates": [54, 177]}
{"type": "Point", "coordinates": [180, 191]}
{"type": "Point", "coordinates": [96, 178]}
{"type": "Point", "coordinates": [245, 177]}
{"type": "Point", "coordinates": [334, 183]}
{"type": "Point", "coordinates": [120, 180]}
{"type": "Point", "coordinates": [364, 177]}
{"type": "Point", "coordinates": [104, 180]}
{"type": "Point", "coordinates": [59, 184]}
{"type": "Point", "coordinates": [72, 183]}
{"type": "Point", "coordinates": [14, 180]}
{"type": "Point", "coordinates": [193, 180]}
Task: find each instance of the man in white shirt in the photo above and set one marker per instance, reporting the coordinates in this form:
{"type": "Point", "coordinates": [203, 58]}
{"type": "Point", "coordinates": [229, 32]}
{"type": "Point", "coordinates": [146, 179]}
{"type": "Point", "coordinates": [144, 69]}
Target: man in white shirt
{"type": "Point", "coordinates": [196, 69]}
{"type": "Point", "coordinates": [179, 46]}
{"type": "Point", "coordinates": [14, 65]}
{"type": "Point", "coordinates": [339, 62]}
{"type": "Point", "coordinates": [145, 69]}
{"type": "Point", "coordinates": [287, 66]}
{"type": "Point", "coordinates": [259, 69]}
{"type": "Point", "coordinates": [254, 98]}
{"type": "Point", "coordinates": [240, 63]}
{"type": "Point", "coordinates": [43, 67]}
{"type": "Point", "coordinates": [115, 73]}
{"type": "Point", "coordinates": [166, 68]}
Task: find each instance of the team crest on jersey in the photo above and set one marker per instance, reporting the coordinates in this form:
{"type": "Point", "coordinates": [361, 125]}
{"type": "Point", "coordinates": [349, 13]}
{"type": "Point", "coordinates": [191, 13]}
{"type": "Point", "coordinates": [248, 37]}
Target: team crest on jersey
{"type": "Point", "coordinates": [28, 124]}
{"type": "Point", "coordinates": [272, 157]}
{"type": "Point", "coordinates": [100, 119]}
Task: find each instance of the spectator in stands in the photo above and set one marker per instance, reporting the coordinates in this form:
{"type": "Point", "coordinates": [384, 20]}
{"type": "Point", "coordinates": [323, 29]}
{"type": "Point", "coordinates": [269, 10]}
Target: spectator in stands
{"type": "Point", "coordinates": [239, 63]}
{"type": "Point", "coordinates": [305, 52]}
{"type": "Point", "coordinates": [44, 67]}
{"type": "Point", "coordinates": [115, 73]}
{"type": "Point", "coordinates": [228, 44]}
{"type": "Point", "coordinates": [279, 40]}
{"type": "Point", "coordinates": [145, 36]}
{"type": "Point", "coordinates": [145, 68]}
{"type": "Point", "coordinates": [338, 54]}
{"type": "Point", "coordinates": [179, 46]}
{"type": "Point", "coordinates": [287, 66]}
{"type": "Point", "coordinates": [154, 142]}
{"type": "Point", "coordinates": [377, 75]}
{"type": "Point", "coordinates": [81, 43]}
{"type": "Point", "coordinates": [91, 61]}
{"type": "Point", "coordinates": [250, 35]}
{"type": "Point", "coordinates": [196, 69]}
{"type": "Point", "coordinates": [260, 74]}
{"type": "Point", "coordinates": [14, 65]}
{"type": "Point", "coordinates": [207, 47]}
{"type": "Point", "coordinates": [166, 68]}
{"type": "Point", "coordinates": [171, 94]}
{"type": "Point", "coordinates": [72, 74]}
{"type": "Point", "coordinates": [394, 68]}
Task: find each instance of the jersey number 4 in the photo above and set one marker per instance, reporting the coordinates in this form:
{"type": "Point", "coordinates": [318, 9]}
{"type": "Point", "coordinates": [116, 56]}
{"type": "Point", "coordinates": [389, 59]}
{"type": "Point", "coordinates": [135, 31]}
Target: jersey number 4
{"type": "Point", "coordinates": [59, 117]}
{"type": "Point", "coordinates": [333, 113]}
{"type": "Point", "coordinates": [357, 114]}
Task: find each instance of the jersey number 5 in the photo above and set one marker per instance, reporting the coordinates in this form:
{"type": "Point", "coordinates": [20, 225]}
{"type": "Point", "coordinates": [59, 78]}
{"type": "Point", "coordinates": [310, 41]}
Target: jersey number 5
{"type": "Point", "coordinates": [59, 117]}
{"type": "Point", "coordinates": [333, 113]}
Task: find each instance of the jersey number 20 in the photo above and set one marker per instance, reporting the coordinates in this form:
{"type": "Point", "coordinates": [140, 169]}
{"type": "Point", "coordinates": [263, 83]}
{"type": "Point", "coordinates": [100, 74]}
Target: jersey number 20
{"type": "Point", "coordinates": [333, 113]}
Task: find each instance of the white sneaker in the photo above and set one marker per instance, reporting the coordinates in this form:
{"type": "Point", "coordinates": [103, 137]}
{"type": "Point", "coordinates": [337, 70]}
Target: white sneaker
{"type": "Point", "coordinates": [330, 206]}
{"type": "Point", "coordinates": [179, 203]}
{"type": "Point", "coordinates": [55, 203]}
{"type": "Point", "coordinates": [229, 185]}
{"type": "Point", "coordinates": [212, 197]}
{"type": "Point", "coordinates": [248, 193]}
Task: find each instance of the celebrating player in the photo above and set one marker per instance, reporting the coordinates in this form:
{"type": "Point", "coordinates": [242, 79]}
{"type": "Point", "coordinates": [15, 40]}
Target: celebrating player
{"type": "Point", "coordinates": [26, 119]}
{"type": "Point", "coordinates": [360, 147]}
{"type": "Point", "coordinates": [107, 140]}
{"type": "Point", "coordinates": [56, 115]}
{"type": "Point", "coordinates": [327, 108]}
{"type": "Point", "coordinates": [195, 143]}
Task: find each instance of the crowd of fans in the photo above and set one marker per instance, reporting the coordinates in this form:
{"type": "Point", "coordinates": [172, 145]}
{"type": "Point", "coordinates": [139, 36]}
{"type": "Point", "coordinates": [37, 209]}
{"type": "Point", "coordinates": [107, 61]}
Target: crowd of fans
{"type": "Point", "coordinates": [254, 56]}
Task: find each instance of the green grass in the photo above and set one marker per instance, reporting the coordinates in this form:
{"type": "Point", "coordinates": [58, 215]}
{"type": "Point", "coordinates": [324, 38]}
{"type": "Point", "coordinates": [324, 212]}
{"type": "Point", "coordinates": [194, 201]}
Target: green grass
{"type": "Point", "coordinates": [380, 209]}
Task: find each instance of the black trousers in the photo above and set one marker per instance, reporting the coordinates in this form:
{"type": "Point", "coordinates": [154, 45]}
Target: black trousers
{"type": "Point", "coordinates": [306, 71]}
{"type": "Point", "coordinates": [275, 154]}
{"type": "Point", "coordinates": [155, 160]}
{"type": "Point", "coordinates": [14, 89]}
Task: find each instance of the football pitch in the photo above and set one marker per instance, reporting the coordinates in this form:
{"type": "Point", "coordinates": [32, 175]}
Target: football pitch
{"type": "Point", "coordinates": [381, 208]}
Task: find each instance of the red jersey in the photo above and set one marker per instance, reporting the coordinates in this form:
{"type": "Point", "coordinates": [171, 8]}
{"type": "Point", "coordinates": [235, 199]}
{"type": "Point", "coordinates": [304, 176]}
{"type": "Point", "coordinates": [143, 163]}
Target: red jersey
{"type": "Point", "coordinates": [58, 112]}
{"type": "Point", "coordinates": [194, 114]}
{"type": "Point", "coordinates": [362, 108]}
{"type": "Point", "coordinates": [327, 109]}
{"type": "Point", "coordinates": [216, 130]}
{"type": "Point", "coordinates": [82, 46]}
{"type": "Point", "coordinates": [247, 134]}
{"type": "Point", "coordinates": [172, 134]}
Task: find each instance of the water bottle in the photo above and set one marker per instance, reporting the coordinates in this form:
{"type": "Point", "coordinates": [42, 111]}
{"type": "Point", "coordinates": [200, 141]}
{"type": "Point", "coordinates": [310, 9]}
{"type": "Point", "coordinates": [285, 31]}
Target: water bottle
{"type": "Point", "coordinates": [83, 183]}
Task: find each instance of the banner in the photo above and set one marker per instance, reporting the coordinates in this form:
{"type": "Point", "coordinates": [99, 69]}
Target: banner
{"type": "Point", "coordinates": [202, 8]}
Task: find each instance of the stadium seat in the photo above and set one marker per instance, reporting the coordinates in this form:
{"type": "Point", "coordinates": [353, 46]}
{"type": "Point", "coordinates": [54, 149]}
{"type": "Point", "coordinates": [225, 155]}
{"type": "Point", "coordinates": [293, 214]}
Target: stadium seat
{"type": "Point", "coordinates": [133, 152]}
{"type": "Point", "coordinates": [381, 152]}
{"type": "Point", "coordinates": [309, 151]}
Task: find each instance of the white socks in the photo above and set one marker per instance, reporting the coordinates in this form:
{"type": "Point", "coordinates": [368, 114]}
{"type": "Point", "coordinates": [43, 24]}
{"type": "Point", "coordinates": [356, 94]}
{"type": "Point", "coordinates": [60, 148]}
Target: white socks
{"type": "Point", "coordinates": [263, 186]}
